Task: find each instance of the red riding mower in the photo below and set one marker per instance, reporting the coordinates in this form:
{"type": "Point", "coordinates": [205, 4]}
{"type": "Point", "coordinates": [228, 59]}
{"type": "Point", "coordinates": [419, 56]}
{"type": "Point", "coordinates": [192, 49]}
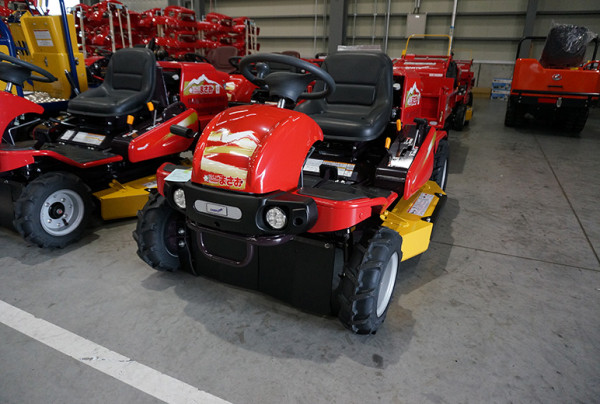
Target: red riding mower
{"type": "Point", "coordinates": [141, 116]}
{"type": "Point", "coordinates": [316, 202]}
{"type": "Point", "coordinates": [443, 84]}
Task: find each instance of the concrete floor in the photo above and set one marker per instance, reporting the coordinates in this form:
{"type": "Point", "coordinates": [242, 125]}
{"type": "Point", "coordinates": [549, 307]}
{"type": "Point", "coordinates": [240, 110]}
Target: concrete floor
{"type": "Point", "coordinates": [504, 307]}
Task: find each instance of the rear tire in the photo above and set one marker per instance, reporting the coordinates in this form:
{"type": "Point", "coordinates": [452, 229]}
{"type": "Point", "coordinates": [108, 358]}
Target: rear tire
{"type": "Point", "coordinates": [53, 210]}
{"type": "Point", "coordinates": [156, 233]}
{"type": "Point", "coordinates": [368, 281]}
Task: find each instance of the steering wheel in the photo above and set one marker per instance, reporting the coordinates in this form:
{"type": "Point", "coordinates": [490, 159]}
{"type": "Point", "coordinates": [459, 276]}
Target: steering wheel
{"type": "Point", "coordinates": [19, 71]}
{"type": "Point", "coordinates": [234, 61]}
{"type": "Point", "coordinates": [194, 57]}
{"type": "Point", "coordinates": [288, 85]}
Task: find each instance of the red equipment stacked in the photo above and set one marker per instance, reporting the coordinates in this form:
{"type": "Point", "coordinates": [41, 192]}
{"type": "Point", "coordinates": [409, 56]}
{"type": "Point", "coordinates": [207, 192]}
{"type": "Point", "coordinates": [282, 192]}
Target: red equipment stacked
{"type": "Point", "coordinates": [174, 29]}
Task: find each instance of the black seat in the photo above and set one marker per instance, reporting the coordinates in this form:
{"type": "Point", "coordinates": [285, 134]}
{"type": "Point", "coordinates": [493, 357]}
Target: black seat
{"type": "Point", "coordinates": [127, 87]}
{"type": "Point", "coordinates": [219, 58]}
{"type": "Point", "coordinates": [360, 107]}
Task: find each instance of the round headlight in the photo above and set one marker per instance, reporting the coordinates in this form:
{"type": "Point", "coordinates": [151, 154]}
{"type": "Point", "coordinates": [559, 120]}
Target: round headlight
{"type": "Point", "coordinates": [179, 198]}
{"type": "Point", "coordinates": [276, 218]}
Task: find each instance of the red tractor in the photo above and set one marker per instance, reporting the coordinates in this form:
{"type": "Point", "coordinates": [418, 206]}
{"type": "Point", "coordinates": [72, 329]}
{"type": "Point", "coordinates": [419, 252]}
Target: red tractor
{"type": "Point", "coordinates": [108, 144]}
{"type": "Point", "coordinates": [559, 87]}
{"type": "Point", "coordinates": [312, 197]}
{"type": "Point", "coordinates": [444, 85]}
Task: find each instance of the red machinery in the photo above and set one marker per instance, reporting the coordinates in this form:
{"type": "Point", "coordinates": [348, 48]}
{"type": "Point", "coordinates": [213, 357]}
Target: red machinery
{"type": "Point", "coordinates": [443, 85]}
{"type": "Point", "coordinates": [560, 87]}
{"type": "Point", "coordinates": [109, 143]}
{"type": "Point", "coordinates": [108, 25]}
{"type": "Point", "coordinates": [315, 203]}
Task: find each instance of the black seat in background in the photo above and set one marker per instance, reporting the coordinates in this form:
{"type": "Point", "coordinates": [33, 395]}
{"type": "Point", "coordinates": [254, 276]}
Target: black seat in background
{"type": "Point", "coordinates": [128, 85]}
{"type": "Point", "coordinates": [219, 58]}
{"type": "Point", "coordinates": [360, 107]}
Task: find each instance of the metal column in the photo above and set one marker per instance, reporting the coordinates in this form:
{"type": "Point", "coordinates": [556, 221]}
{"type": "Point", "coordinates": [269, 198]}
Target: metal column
{"type": "Point", "coordinates": [532, 6]}
{"type": "Point", "coordinates": [338, 11]}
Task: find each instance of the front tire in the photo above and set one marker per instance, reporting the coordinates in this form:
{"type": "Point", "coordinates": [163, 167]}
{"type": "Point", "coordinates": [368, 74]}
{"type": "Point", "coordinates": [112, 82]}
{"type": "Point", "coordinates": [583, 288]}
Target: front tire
{"type": "Point", "coordinates": [368, 281]}
{"type": "Point", "coordinates": [157, 234]}
{"type": "Point", "coordinates": [574, 119]}
{"type": "Point", "coordinates": [460, 118]}
{"type": "Point", "coordinates": [440, 164]}
{"type": "Point", "coordinates": [53, 210]}
{"type": "Point", "coordinates": [515, 114]}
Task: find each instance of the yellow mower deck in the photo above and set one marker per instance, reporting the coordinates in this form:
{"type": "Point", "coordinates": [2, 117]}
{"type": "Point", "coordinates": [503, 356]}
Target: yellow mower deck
{"type": "Point", "coordinates": [124, 200]}
{"type": "Point", "coordinates": [414, 218]}
{"type": "Point", "coordinates": [469, 114]}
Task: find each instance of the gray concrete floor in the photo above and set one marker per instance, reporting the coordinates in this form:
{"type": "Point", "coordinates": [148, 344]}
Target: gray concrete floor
{"type": "Point", "coordinates": [504, 307]}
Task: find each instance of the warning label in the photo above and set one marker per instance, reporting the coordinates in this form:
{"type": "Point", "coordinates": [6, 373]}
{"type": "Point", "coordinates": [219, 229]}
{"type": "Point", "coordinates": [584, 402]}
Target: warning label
{"type": "Point", "coordinates": [43, 37]}
{"type": "Point", "coordinates": [421, 205]}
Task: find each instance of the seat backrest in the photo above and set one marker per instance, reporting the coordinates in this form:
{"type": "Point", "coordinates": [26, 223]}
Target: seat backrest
{"type": "Point", "coordinates": [132, 69]}
{"type": "Point", "coordinates": [219, 58]}
{"type": "Point", "coordinates": [293, 53]}
{"type": "Point", "coordinates": [362, 78]}
{"type": "Point", "coordinates": [360, 108]}
{"type": "Point", "coordinates": [128, 85]}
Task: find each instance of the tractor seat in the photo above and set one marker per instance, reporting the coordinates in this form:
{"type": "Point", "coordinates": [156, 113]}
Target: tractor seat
{"type": "Point", "coordinates": [219, 58]}
{"type": "Point", "coordinates": [127, 87]}
{"type": "Point", "coordinates": [360, 108]}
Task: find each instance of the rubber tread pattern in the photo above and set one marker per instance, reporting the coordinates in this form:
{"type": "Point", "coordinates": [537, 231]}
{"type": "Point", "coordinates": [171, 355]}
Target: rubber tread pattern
{"type": "Point", "coordinates": [360, 282]}
{"type": "Point", "coordinates": [149, 234]}
{"type": "Point", "coordinates": [26, 220]}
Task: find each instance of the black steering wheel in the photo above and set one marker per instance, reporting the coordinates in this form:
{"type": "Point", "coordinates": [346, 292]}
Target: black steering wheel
{"type": "Point", "coordinates": [19, 71]}
{"type": "Point", "coordinates": [288, 85]}
{"type": "Point", "coordinates": [234, 61]}
{"type": "Point", "coordinates": [194, 57]}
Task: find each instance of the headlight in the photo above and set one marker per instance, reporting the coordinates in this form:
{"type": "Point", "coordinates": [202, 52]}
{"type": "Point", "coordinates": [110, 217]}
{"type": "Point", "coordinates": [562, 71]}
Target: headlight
{"type": "Point", "coordinates": [179, 198]}
{"type": "Point", "coordinates": [276, 218]}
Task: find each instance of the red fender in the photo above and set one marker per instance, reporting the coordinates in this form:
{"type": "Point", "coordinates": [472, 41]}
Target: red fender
{"type": "Point", "coordinates": [422, 167]}
{"type": "Point", "coordinates": [13, 106]}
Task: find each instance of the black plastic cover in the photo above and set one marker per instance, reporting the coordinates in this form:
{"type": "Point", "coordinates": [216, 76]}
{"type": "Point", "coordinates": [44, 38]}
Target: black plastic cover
{"type": "Point", "coordinates": [565, 46]}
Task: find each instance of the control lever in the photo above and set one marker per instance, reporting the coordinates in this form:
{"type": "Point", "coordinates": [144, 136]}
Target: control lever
{"type": "Point", "coordinates": [182, 131]}
{"type": "Point", "coordinates": [420, 132]}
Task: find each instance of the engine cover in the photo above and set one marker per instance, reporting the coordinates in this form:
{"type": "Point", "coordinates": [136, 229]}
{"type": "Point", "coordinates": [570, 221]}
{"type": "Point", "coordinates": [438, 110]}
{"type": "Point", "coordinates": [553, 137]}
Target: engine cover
{"type": "Point", "coordinates": [255, 149]}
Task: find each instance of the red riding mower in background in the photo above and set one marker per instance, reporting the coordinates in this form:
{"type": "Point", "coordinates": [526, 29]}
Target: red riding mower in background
{"type": "Point", "coordinates": [140, 116]}
{"type": "Point", "coordinates": [445, 87]}
{"type": "Point", "coordinates": [559, 87]}
{"type": "Point", "coordinates": [315, 203]}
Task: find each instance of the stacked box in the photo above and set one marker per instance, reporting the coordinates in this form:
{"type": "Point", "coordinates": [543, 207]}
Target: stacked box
{"type": "Point", "coordinates": [501, 89]}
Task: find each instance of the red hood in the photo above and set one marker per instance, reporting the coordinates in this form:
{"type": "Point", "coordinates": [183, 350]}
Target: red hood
{"type": "Point", "coordinates": [255, 149]}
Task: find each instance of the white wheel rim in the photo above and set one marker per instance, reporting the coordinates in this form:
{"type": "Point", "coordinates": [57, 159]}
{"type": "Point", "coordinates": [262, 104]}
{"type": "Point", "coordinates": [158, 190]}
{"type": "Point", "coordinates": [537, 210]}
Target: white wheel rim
{"type": "Point", "coordinates": [386, 284]}
{"type": "Point", "coordinates": [62, 212]}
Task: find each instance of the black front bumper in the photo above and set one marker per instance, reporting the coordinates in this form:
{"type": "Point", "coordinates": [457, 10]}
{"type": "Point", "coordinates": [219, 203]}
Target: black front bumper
{"type": "Point", "coordinates": [242, 214]}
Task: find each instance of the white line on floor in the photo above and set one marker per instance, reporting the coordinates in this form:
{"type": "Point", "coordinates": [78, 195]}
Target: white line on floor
{"type": "Point", "coordinates": [126, 370]}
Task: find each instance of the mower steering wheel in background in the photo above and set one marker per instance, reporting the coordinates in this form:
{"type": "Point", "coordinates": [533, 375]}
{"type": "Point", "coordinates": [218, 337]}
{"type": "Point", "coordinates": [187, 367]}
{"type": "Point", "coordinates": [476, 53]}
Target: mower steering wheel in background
{"type": "Point", "coordinates": [19, 71]}
{"type": "Point", "coordinates": [194, 57]}
{"type": "Point", "coordinates": [287, 85]}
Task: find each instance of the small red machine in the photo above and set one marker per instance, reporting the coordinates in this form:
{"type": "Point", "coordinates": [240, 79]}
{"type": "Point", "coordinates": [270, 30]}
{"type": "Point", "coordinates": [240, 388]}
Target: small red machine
{"type": "Point", "coordinates": [561, 86]}
{"type": "Point", "coordinates": [443, 85]}
{"type": "Point", "coordinates": [316, 202]}
{"type": "Point", "coordinates": [105, 149]}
